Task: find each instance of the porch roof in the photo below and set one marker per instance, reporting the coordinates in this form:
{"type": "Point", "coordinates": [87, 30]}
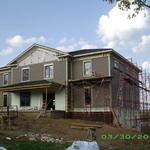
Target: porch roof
{"type": "Point", "coordinates": [31, 85]}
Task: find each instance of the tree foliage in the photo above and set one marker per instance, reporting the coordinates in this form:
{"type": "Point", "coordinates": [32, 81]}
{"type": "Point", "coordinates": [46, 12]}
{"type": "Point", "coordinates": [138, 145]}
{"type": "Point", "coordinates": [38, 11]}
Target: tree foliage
{"type": "Point", "coordinates": [138, 5]}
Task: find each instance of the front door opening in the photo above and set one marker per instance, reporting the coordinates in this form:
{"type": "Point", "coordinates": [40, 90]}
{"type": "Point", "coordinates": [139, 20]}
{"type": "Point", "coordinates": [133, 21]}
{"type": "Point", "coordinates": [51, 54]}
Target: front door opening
{"type": "Point", "coordinates": [50, 100]}
{"type": "Point", "coordinates": [5, 100]}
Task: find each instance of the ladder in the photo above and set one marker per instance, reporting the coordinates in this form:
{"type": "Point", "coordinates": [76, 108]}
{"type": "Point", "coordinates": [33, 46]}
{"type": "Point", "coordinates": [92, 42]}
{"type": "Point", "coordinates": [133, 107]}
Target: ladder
{"type": "Point", "coordinates": [43, 110]}
{"type": "Point", "coordinates": [120, 90]}
{"type": "Point", "coordinates": [119, 99]}
{"type": "Point", "coordinates": [115, 116]}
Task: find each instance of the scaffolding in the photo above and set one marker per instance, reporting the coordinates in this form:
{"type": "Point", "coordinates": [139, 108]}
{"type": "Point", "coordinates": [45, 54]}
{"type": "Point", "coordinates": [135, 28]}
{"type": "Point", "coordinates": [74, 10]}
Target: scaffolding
{"type": "Point", "coordinates": [129, 105]}
{"type": "Point", "coordinates": [133, 98]}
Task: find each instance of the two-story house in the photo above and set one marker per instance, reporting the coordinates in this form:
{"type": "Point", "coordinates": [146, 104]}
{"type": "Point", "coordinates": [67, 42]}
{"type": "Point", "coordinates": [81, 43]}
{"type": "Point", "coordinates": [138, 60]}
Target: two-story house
{"type": "Point", "coordinates": [97, 84]}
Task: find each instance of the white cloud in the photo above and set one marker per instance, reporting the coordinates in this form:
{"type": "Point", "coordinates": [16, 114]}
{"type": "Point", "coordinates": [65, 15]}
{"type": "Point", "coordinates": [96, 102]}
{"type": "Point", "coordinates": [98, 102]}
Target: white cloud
{"type": "Point", "coordinates": [143, 46]}
{"type": "Point", "coordinates": [86, 45]}
{"type": "Point", "coordinates": [70, 45]}
{"type": "Point", "coordinates": [66, 48]}
{"type": "Point", "coordinates": [63, 40]}
{"type": "Point", "coordinates": [18, 40]}
{"type": "Point", "coordinates": [15, 41]}
{"type": "Point", "coordinates": [117, 30]}
{"type": "Point", "coordinates": [35, 39]}
{"type": "Point", "coordinates": [146, 65]}
{"type": "Point", "coordinates": [6, 51]}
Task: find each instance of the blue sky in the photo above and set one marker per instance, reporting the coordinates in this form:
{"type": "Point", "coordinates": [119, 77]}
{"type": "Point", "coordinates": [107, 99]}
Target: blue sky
{"type": "Point", "coordinates": [70, 25]}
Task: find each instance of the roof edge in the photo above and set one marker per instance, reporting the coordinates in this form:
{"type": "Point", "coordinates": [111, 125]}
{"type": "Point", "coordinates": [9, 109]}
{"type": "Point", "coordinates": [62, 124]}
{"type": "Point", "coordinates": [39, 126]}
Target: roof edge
{"type": "Point", "coordinates": [36, 45]}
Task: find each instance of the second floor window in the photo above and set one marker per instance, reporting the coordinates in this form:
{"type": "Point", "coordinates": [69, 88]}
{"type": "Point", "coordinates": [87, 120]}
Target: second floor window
{"type": "Point", "coordinates": [5, 79]}
{"type": "Point", "coordinates": [25, 74]}
{"type": "Point", "coordinates": [87, 68]}
{"type": "Point", "coordinates": [49, 71]}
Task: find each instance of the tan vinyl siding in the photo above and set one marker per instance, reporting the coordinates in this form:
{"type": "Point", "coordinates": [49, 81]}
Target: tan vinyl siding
{"type": "Point", "coordinates": [99, 65]}
{"type": "Point", "coordinates": [1, 77]}
{"type": "Point", "coordinates": [100, 96]}
{"type": "Point", "coordinates": [37, 72]}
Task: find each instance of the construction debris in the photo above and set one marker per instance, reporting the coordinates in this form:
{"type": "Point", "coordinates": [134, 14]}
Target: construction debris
{"type": "Point", "coordinates": [8, 138]}
{"type": "Point", "coordinates": [84, 145]}
{"type": "Point", "coordinates": [2, 148]}
{"type": "Point", "coordinates": [41, 137]}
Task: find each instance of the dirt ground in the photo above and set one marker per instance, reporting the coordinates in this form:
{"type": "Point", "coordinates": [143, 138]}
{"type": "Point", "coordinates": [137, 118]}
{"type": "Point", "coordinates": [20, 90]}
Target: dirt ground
{"type": "Point", "coordinates": [107, 136]}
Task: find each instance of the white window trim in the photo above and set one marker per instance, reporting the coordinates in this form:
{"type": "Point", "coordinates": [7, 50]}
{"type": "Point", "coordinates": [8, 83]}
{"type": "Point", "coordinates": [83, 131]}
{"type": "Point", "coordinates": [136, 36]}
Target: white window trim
{"type": "Point", "coordinates": [3, 78]}
{"type": "Point", "coordinates": [83, 68]}
{"type": "Point", "coordinates": [51, 64]}
{"type": "Point", "coordinates": [22, 74]}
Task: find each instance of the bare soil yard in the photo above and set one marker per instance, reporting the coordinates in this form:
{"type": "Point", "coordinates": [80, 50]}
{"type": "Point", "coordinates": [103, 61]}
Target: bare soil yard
{"type": "Point", "coordinates": [107, 136]}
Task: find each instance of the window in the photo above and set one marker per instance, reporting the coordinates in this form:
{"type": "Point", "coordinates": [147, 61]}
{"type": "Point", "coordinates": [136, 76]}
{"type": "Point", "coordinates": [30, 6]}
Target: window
{"type": "Point", "coordinates": [49, 71]}
{"type": "Point", "coordinates": [25, 99]}
{"type": "Point", "coordinates": [5, 79]}
{"type": "Point", "coordinates": [5, 100]}
{"type": "Point", "coordinates": [88, 97]}
{"type": "Point", "coordinates": [25, 74]}
{"type": "Point", "coordinates": [116, 64]}
{"type": "Point", "coordinates": [87, 68]}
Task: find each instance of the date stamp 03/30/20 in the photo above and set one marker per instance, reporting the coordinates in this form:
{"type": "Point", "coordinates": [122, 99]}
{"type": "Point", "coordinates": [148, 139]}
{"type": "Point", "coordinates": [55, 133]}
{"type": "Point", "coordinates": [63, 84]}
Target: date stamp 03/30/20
{"type": "Point", "coordinates": [109, 136]}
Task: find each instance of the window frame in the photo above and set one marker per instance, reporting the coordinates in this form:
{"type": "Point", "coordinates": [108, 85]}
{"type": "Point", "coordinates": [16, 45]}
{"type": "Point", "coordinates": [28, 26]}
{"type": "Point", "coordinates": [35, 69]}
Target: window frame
{"type": "Point", "coordinates": [4, 80]}
{"type": "Point", "coordinates": [22, 74]}
{"type": "Point", "coordinates": [116, 64]}
{"type": "Point", "coordinates": [50, 77]}
{"type": "Point", "coordinates": [91, 93]}
{"type": "Point", "coordinates": [87, 75]}
{"type": "Point", "coordinates": [29, 99]}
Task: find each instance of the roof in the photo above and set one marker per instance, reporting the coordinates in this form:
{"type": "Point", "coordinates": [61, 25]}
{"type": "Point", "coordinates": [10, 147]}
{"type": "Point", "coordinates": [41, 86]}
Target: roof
{"type": "Point", "coordinates": [76, 53]}
{"type": "Point", "coordinates": [87, 51]}
{"type": "Point", "coordinates": [30, 85]}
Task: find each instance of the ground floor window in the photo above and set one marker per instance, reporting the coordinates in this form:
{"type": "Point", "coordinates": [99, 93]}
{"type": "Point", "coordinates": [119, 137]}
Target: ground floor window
{"type": "Point", "coordinates": [87, 95]}
{"type": "Point", "coordinates": [5, 100]}
{"type": "Point", "coordinates": [25, 98]}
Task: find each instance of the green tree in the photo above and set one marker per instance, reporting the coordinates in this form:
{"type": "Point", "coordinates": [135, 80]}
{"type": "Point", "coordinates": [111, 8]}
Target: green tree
{"type": "Point", "coordinates": [138, 5]}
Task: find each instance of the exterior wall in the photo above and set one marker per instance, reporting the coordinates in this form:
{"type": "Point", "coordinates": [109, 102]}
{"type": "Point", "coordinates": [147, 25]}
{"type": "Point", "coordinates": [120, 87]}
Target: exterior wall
{"type": "Point", "coordinates": [100, 98]}
{"type": "Point", "coordinates": [37, 72]}
{"type": "Point", "coordinates": [125, 117]}
{"type": "Point", "coordinates": [36, 100]}
{"type": "Point", "coordinates": [99, 65]}
{"type": "Point", "coordinates": [128, 87]}
{"type": "Point", "coordinates": [1, 84]}
{"type": "Point", "coordinates": [37, 55]}
{"type": "Point", "coordinates": [129, 112]}
{"type": "Point", "coordinates": [106, 116]}
{"type": "Point", "coordinates": [35, 103]}
{"type": "Point", "coordinates": [60, 100]}
{"type": "Point", "coordinates": [1, 77]}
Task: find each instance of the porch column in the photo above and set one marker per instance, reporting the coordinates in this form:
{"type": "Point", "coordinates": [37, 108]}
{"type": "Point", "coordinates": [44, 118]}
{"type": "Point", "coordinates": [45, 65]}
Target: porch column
{"type": "Point", "coordinates": [2, 102]}
{"type": "Point", "coordinates": [45, 98]}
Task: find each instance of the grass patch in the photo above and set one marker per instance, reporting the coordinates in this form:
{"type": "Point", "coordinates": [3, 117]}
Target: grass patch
{"type": "Point", "coordinates": [31, 145]}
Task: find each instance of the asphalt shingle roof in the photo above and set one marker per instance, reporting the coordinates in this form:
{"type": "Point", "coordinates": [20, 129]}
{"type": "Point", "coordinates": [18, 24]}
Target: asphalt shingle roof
{"type": "Point", "coordinates": [86, 51]}
{"type": "Point", "coordinates": [29, 83]}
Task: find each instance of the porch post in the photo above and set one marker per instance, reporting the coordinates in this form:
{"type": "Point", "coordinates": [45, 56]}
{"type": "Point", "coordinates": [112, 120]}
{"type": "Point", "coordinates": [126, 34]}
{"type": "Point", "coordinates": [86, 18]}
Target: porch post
{"type": "Point", "coordinates": [46, 98]}
{"type": "Point", "coordinates": [2, 102]}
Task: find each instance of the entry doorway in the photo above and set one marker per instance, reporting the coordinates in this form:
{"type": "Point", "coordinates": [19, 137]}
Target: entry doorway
{"type": "Point", "coordinates": [50, 100]}
{"type": "Point", "coordinates": [5, 97]}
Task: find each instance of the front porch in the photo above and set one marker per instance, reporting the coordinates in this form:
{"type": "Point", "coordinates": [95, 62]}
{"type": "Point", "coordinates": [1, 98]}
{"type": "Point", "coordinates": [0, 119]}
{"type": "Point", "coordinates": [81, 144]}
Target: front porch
{"type": "Point", "coordinates": [36, 95]}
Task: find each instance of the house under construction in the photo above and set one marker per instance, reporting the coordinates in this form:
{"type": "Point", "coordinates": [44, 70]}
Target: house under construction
{"type": "Point", "coordinates": [95, 84]}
